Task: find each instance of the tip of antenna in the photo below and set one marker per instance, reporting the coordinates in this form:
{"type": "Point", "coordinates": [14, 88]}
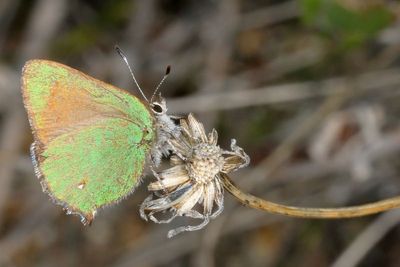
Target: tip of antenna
{"type": "Point", "coordinates": [168, 70]}
{"type": "Point", "coordinates": [119, 51]}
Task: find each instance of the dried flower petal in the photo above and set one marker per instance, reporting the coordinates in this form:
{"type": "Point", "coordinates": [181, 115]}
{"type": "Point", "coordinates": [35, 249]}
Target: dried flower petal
{"type": "Point", "coordinates": [175, 160]}
{"type": "Point", "coordinates": [196, 128]}
{"type": "Point", "coordinates": [168, 183]}
{"type": "Point", "coordinates": [184, 206]}
{"type": "Point", "coordinates": [209, 197]}
{"type": "Point", "coordinates": [213, 137]}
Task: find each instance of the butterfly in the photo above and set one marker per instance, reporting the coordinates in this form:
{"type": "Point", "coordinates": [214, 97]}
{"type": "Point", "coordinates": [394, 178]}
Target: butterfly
{"type": "Point", "coordinates": [91, 139]}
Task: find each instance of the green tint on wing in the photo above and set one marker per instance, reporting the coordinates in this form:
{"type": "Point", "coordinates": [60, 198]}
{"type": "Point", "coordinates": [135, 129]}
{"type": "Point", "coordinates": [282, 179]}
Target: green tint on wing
{"type": "Point", "coordinates": [93, 167]}
{"type": "Point", "coordinates": [91, 139]}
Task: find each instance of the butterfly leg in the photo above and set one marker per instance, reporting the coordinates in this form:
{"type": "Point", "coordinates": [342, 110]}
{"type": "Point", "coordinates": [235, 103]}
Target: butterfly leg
{"type": "Point", "coordinates": [159, 180]}
{"type": "Point", "coordinates": [176, 117]}
{"type": "Point", "coordinates": [176, 151]}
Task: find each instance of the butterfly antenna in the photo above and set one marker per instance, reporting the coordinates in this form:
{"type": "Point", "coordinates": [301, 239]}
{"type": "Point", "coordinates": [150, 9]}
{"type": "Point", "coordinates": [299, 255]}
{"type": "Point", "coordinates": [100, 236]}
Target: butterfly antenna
{"type": "Point", "coordinates": [167, 71]}
{"type": "Point", "coordinates": [122, 55]}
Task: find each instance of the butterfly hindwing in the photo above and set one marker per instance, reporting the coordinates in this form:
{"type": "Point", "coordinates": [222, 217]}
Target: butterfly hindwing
{"type": "Point", "coordinates": [91, 139]}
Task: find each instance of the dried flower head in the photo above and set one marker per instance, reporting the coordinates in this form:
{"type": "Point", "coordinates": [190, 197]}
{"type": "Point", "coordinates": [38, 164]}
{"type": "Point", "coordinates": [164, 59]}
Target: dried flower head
{"type": "Point", "coordinates": [192, 185]}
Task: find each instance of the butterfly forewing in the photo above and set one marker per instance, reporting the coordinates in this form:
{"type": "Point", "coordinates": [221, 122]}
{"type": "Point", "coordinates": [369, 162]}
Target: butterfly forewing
{"type": "Point", "coordinates": [91, 139]}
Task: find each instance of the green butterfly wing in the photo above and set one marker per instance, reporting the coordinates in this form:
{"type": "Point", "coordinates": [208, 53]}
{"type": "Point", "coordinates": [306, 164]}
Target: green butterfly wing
{"type": "Point", "coordinates": [91, 139]}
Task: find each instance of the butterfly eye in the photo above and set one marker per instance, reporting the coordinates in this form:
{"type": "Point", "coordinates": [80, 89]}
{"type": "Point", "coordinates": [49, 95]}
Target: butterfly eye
{"type": "Point", "coordinates": [157, 108]}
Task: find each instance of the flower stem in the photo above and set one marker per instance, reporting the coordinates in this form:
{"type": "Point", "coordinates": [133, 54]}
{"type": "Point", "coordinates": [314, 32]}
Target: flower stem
{"type": "Point", "coordinates": [302, 212]}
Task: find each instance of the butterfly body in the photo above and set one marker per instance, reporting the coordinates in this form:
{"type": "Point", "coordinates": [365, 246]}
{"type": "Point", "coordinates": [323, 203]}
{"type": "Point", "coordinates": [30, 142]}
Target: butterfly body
{"type": "Point", "coordinates": [91, 139]}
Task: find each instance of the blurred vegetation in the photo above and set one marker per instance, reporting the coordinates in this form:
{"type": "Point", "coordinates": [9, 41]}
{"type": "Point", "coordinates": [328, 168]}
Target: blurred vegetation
{"type": "Point", "coordinates": [350, 28]}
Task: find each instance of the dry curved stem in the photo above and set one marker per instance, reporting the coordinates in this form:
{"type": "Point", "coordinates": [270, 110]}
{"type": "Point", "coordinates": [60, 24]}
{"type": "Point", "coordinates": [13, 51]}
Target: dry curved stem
{"type": "Point", "coordinates": [302, 212]}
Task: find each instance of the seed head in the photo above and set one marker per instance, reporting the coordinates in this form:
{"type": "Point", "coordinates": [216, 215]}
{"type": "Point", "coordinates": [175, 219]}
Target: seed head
{"type": "Point", "coordinates": [192, 186]}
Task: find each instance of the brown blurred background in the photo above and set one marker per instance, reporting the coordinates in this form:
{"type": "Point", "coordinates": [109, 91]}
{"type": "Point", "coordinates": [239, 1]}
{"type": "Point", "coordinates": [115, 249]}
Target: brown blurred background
{"type": "Point", "coordinates": [310, 89]}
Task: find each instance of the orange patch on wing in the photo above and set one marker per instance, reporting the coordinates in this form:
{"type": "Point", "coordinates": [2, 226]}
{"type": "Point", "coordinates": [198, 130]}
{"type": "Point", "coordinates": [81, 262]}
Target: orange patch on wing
{"type": "Point", "coordinates": [69, 107]}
